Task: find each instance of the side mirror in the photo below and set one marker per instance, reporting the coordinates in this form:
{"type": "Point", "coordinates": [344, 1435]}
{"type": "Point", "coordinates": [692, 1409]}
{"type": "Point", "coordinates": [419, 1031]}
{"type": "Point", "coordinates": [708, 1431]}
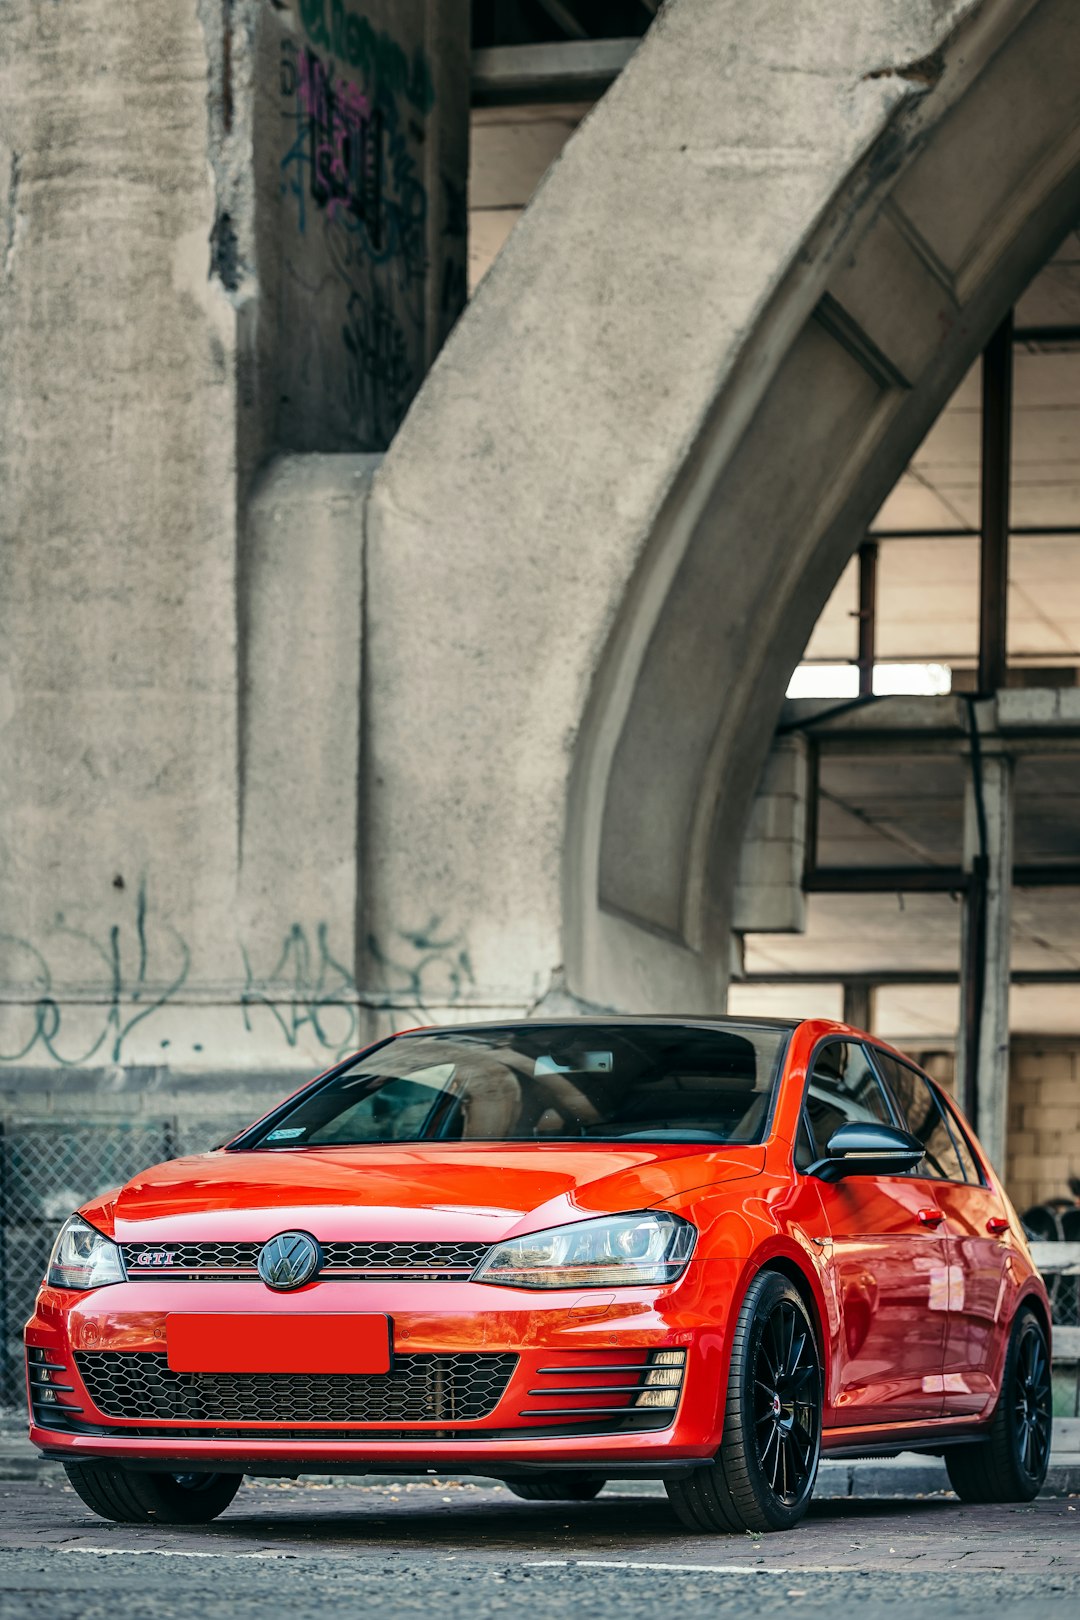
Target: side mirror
{"type": "Point", "coordinates": [868, 1150]}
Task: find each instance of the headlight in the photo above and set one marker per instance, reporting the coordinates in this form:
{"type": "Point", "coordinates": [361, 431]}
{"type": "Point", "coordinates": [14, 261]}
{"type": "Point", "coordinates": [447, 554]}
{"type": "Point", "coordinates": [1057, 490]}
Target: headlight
{"type": "Point", "coordinates": [83, 1258]}
{"type": "Point", "coordinates": [616, 1251]}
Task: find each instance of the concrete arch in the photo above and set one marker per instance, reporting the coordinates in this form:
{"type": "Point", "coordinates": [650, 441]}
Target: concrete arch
{"type": "Point", "coordinates": [622, 497]}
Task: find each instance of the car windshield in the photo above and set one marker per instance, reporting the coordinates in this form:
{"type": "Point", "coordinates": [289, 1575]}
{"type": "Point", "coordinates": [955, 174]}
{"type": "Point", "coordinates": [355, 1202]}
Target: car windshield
{"type": "Point", "coordinates": [544, 1083]}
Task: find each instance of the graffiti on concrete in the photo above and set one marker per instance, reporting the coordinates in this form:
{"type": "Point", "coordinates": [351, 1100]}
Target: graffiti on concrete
{"type": "Point", "coordinates": [380, 372]}
{"type": "Point", "coordinates": [349, 161]}
{"type": "Point", "coordinates": [376, 55]}
{"type": "Point", "coordinates": [140, 966]}
{"type": "Point", "coordinates": [426, 967]}
{"type": "Point", "coordinates": [353, 113]}
{"type": "Point", "coordinates": [308, 992]}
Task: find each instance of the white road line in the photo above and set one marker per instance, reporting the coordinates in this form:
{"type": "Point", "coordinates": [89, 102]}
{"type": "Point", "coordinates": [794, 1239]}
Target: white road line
{"type": "Point", "coordinates": [696, 1569]}
{"type": "Point", "coordinates": [168, 1552]}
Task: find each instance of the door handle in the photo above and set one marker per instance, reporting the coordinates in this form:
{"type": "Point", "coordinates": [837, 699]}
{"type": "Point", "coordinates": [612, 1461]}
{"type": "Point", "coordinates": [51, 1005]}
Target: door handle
{"type": "Point", "coordinates": [931, 1216]}
{"type": "Point", "coordinates": [997, 1224]}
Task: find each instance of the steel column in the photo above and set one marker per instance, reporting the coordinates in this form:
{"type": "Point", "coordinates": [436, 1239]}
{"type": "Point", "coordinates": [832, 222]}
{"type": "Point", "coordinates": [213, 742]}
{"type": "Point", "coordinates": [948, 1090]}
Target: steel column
{"type": "Point", "coordinates": [997, 374]}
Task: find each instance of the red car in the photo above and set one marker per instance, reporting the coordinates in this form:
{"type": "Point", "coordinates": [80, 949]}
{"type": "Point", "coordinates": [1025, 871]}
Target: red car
{"type": "Point", "coordinates": [556, 1253]}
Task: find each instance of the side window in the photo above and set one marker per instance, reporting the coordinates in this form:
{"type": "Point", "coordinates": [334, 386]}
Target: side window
{"type": "Point", "coordinates": [843, 1090]}
{"type": "Point", "coordinates": [924, 1117]}
{"type": "Point", "coordinates": [963, 1148]}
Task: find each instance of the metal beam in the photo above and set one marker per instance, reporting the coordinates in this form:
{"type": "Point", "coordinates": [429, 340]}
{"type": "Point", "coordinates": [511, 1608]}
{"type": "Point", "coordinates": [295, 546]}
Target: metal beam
{"type": "Point", "coordinates": [886, 880]}
{"type": "Point", "coordinates": [996, 478]}
{"type": "Point", "coordinates": [928, 879]}
{"type": "Point", "coordinates": [867, 615]}
{"type": "Point", "coordinates": [1046, 334]}
{"type": "Point", "coordinates": [972, 534]}
{"type": "Point", "coordinates": [568, 70]}
{"type": "Point", "coordinates": [564, 18]}
{"type": "Point", "coordinates": [885, 978]}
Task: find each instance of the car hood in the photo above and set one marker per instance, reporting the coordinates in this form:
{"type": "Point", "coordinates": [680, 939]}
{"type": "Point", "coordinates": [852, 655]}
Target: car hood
{"type": "Point", "coordinates": [407, 1192]}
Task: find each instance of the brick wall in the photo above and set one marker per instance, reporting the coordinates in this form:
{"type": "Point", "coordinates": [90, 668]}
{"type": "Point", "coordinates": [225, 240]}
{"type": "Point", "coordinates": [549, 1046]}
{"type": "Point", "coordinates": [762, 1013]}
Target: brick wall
{"type": "Point", "coordinates": [1044, 1120]}
{"type": "Point", "coordinates": [1044, 1115]}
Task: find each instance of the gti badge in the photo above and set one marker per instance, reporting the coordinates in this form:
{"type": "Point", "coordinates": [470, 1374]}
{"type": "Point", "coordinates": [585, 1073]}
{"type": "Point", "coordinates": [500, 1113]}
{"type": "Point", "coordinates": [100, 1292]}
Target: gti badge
{"type": "Point", "coordinates": [289, 1261]}
{"type": "Point", "coordinates": [155, 1257]}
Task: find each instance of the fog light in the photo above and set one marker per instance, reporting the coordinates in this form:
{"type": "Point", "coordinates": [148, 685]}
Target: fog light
{"type": "Point", "coordinates": [664, 1375]}
{"type": "Point", "coordinates": [658, 1397]}
{"type": "Point", "coordinates": [668, 1358]}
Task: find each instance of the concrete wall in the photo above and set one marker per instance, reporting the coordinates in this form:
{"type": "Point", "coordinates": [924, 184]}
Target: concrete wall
{"type": "Point", "coordinates": [228, 228]}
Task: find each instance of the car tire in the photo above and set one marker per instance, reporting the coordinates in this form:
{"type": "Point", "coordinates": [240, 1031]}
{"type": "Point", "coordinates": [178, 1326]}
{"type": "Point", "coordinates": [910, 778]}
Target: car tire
{"type": "Point", "coordinates": [568, 1487]}
{"type": "Point", "coordinates": [1010, 1464]}
{"type": "Point", "coordinates": [763, 1476]}
{"type": "Point", "coordinates": [130, 1496]}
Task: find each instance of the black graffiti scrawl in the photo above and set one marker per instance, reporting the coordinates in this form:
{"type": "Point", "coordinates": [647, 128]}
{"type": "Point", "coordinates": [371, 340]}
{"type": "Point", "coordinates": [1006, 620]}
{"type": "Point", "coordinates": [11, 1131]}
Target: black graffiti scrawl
{"type": "Point", "coordinates": [354, 106]}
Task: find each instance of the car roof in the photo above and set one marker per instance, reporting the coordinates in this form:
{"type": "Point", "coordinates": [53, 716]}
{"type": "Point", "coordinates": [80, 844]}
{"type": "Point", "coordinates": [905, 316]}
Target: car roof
{"type": "Point", "coordinates": [609, 1020]}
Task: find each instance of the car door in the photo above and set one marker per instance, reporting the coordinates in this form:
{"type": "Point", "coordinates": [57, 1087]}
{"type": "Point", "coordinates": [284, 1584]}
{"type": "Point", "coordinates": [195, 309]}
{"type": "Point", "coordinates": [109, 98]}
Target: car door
{"type": "Point", "coordinates": [887, 1267]}
{"type": "Point", "coordinates": [977, 1234]}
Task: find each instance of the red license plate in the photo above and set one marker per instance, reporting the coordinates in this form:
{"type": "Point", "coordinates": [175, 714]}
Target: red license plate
{"type": "Point", "coordinates": [304, 1343]}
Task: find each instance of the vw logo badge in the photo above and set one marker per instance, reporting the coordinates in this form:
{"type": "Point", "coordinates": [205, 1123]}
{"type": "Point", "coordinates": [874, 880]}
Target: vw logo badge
{"type": "Point", "coordinates": [289, 1261]}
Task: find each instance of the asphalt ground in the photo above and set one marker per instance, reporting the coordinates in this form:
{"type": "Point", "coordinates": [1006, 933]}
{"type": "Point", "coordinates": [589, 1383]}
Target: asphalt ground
{"type": "Point", "coordinates": [463, 1550]}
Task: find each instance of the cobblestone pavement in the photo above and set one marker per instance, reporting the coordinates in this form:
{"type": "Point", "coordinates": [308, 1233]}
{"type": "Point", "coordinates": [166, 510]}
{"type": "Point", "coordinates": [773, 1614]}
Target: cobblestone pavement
{"type": "Point", "coordinates": [470, 1549]}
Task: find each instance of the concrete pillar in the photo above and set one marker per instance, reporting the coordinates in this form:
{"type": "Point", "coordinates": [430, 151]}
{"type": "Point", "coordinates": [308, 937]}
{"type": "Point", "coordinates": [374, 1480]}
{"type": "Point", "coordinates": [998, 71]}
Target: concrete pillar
{"type": "Point", "coordinates": [983, 1053]}
{"type": "Point", "coordinates": [226, 227]}
{"type": "Point", "coordinates": [859, 1005]}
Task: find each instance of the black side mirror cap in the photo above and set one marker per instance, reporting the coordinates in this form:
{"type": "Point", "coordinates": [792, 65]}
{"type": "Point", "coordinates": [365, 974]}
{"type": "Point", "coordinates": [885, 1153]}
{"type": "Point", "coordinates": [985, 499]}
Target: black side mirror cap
{"type": "Point", "coordinates": [868, 1149]}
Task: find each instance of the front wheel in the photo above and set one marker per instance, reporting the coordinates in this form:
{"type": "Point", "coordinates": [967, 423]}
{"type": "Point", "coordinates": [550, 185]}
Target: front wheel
{"type": "Point", "coordinates": [1010, 1464]}
{"type": "Point", "coordinates": [130, 1496]}
{"type": "Point", "coordinates": [764, 1474]}
{"type": "Point", "coordinates": [556, 1487]}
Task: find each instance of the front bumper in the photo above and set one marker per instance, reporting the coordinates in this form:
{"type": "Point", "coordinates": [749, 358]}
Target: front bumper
{"type": "Point", "coordinates": [572, 1380]}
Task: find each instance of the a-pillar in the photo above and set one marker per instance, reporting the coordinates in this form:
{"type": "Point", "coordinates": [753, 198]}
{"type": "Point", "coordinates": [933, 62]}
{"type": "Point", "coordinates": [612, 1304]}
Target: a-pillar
{"type": "Point", "coordinates": [983, 1067]}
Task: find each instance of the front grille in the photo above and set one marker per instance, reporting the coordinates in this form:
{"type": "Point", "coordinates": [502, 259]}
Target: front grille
{"type": "Point", "coordinates": [429, 1262]}
{"type": "Point", "coordinates": [418, 1389]}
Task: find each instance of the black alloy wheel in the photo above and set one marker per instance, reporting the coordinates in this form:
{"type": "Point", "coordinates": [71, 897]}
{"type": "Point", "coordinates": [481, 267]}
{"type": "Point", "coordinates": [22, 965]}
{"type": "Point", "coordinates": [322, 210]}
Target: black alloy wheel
{"type": "Point", "coordinates": [1033, 1405]}
{"type": "Point", "coordinates": [1010, 1464]}
{"type": "Point", "coordinates": [764, 1474]}
{"type": "Point", "coordinates": [786, 1386]}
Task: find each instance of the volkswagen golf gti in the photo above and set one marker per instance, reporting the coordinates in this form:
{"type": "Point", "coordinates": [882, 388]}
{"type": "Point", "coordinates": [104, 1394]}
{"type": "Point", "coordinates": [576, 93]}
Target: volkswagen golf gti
{"type": "Point", "coordinates": [707, 1252]}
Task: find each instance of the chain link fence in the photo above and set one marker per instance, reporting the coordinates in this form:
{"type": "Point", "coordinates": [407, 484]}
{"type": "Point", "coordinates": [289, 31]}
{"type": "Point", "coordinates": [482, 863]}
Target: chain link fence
{"type": "Point", "coordinates": [46, 1171]}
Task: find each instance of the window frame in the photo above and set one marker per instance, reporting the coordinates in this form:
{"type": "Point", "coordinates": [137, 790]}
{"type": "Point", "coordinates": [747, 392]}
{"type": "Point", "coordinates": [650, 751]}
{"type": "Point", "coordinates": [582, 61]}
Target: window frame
{"type": "Point", "coordinates": [959, 1125]}
{"type": "Point", "coordinates": [938, 1097]}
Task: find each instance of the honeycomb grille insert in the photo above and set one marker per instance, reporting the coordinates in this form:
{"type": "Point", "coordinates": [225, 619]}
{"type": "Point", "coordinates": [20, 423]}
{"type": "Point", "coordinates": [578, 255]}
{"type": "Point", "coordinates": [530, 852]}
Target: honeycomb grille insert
{"type": "Point", "coordinates": [438, 1262]}
{"type": "Point", "coordinates": [418, 1389]}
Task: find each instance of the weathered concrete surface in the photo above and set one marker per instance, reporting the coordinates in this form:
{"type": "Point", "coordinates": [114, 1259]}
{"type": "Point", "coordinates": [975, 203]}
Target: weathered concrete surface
{"type": "Point", "coordinates": [604, 531]}
{"type": "Point", "coordinates": [119, 746]}
{"type": "Point", "coordinates": [187, 233]}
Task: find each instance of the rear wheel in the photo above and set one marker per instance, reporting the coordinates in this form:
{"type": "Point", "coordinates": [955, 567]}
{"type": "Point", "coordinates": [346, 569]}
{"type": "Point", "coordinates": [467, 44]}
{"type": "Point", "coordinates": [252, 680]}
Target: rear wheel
{"type": "Point", "coordinates": [129, 1496]}
{"type": "Point", "coordinates": [568, 1487]}
{"type": "Point", "coordinates": [764, 1474]}
{"type": "Point", "coordinates": [1010, 1464]}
